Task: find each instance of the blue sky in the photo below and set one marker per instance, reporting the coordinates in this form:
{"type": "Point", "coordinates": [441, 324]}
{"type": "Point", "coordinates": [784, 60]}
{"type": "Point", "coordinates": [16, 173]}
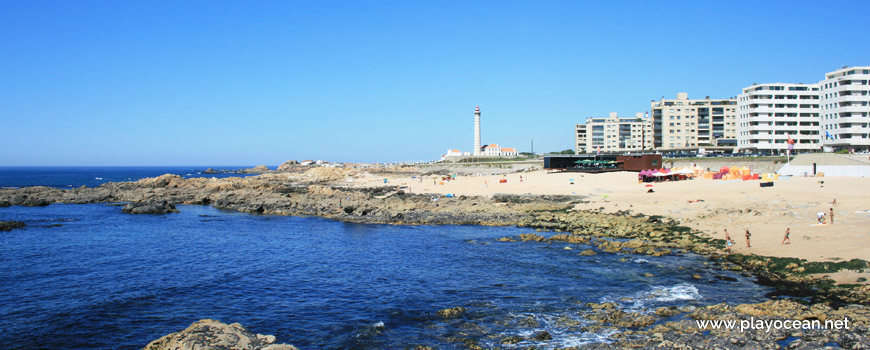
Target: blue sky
{"type": "Point", "coordinates": [245, 83]}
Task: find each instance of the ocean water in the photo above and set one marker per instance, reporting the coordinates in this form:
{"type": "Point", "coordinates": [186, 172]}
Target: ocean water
{"type": "Point", "coordinates": [93, 176]}
{"type": "Point", "coordinates": [90, 277]}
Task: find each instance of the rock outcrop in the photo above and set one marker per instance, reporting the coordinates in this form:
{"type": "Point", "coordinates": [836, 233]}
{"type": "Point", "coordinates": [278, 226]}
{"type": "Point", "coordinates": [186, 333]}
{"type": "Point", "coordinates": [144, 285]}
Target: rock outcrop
{"type": "Point", "coordinates": [288, 165]}
{"type": "Point", "coordinates": [9, 225]}
{"type": "Point", "coordinates": [262, 168]}
{"type": "Point", "coordinates": [211, 334]}
{"type": "Point", "coordinates": [315, 192]}
{"type": "Point", "coordinates": [149, 207]}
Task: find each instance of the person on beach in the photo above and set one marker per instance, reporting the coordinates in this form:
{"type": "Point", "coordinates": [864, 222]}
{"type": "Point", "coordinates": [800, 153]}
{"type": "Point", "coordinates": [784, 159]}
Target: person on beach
{"type": "Point", "coordinates": [821, 216]}
{"type": "Point", "coordinates": [747, 239]}
{"type": "Point", "coordinates": [786, 239]}
{"type": "Point", "coordinates": [728, 241]}
{"type": "Point", "coordinates": [832, 216]}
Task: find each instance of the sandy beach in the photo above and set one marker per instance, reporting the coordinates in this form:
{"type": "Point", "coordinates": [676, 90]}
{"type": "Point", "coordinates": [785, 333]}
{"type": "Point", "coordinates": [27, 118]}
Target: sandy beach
{"type": "Point", "coordinates": [707, 205]}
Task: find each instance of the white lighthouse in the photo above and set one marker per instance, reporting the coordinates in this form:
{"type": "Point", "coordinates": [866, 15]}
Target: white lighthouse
{"type": "Point", "coordinates": [476, 149]}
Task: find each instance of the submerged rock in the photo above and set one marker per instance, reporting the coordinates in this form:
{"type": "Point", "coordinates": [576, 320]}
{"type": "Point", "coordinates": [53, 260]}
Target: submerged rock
{"type": "Point", "coordinates": [588, 252]}
{"type": "Point", "coordinates": [9, 225]}
{"type": "Point", "coordinates": [154, 207]}
{"type": "Point", "coordinates": [542, 336]}
{"type": "Point", "coordinates": [211, 334]}
{"type": "Point", "coordinates": [451, 312]}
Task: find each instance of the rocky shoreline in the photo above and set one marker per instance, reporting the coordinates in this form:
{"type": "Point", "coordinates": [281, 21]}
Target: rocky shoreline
{"type": "Point", "coordinates": [283, 195]}
{"type": "Point", "coordinates": [322, 192]}
{"type": "Point", "coordinates": [623, 233]}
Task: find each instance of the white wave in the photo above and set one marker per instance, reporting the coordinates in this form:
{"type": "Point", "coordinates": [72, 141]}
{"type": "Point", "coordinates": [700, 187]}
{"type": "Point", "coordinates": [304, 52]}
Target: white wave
{"type": "Point", "coordinates": [639, 301]}
{"type": "Point", "coordinates": [580, 340]}
{"type": "Point", "coordinates": [562, 336]}
{"type": "Point", "coordinates": [678, 292]}
{"type": "Point", "coordinates": [641, 261]}
{"type": "Point", "coordinates": [98, 178]}
{"type": "Point", "coordinates": [379, 324]}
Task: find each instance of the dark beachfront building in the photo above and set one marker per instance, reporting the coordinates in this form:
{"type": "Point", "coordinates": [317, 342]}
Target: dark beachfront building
{"type": "Point", "coordinates": [620, 162]}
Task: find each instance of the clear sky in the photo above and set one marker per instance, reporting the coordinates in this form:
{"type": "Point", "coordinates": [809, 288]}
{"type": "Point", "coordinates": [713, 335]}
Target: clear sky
{"type": "Point", "coordinates": [261, 82]}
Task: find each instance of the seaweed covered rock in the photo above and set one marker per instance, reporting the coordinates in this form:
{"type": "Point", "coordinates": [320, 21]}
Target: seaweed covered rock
{"type": "Point", "coordinates": [211, 334]}
{"type": "Point", "coordinates": [451, 312]}
{"type": "Point", "coordinates": [149, 207]}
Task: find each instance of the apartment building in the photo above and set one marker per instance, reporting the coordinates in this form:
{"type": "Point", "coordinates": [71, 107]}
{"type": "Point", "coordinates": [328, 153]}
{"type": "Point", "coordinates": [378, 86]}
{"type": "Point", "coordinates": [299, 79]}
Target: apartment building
{"type": "Point", "coordinates": [770, 114]}
{"type": "Point", "coordinates": [684, 123]}
{"type": "Point", "coordinates": [845, 108]}
{"type": "Point", "coordinates": [614, 134]}
{"type": "Point", "coordinates": [580, 146]}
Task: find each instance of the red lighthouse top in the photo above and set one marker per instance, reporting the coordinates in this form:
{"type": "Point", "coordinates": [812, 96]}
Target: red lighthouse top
{"type": "Point", "coordinates": [476, 109]}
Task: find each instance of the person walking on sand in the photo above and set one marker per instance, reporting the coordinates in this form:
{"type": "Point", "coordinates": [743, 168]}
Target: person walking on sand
{"type": "Point", "coordinates": [786, 239]}
{"type": "Point", "coordinates": [728, 241]}
{"type": "Point", "coordinates": [832, 216]}
{"type": "Point", "coordinates": [747, 239]}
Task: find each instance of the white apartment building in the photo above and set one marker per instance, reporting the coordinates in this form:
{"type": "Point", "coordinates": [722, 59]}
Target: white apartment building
{"type": "Point", "coordinates": [683, 123]}
{"type": "Point", "coordinates": [771, 113]}
{"type": "Point", "coordinates": [845, 108]}
{"type": "Point", "coordinates": [613, 134]}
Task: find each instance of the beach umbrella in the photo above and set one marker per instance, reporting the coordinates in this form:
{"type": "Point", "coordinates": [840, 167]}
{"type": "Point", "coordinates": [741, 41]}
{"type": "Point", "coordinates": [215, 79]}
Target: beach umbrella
{"type": "Point", "coordinates": [724, 169]}
{"type": "Point", "coordinates": [649, 185]}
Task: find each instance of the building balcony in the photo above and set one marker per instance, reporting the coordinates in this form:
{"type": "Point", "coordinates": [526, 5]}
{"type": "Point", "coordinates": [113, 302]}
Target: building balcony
{"type": "Point", "coordinates": [850, 119]}
{"type": "Point", "coordinates": [850, 130]}
{"type": "Point", "coordinates": [851, 98]}
{"type": "Point", "coordinates": [853, 109]}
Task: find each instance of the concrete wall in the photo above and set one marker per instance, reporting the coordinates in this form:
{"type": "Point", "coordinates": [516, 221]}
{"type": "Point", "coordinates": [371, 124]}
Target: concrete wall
{"type": "Point", "coordinates": [829, 170]}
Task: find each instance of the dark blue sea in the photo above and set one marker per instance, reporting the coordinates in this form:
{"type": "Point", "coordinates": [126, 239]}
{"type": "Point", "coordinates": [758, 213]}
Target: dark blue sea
{"type": "Point", "coordinates": [90, 277]}
{"type": "Point", "coordinates": [93, 176]}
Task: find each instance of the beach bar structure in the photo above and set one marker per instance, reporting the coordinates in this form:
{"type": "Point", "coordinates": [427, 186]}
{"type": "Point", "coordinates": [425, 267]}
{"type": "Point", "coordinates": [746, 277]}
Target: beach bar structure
{"type": "Point", "coordinates": [602, 162]}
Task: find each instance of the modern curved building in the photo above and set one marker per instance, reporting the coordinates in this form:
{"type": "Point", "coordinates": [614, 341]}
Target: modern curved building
{"type": "Point", "coordinates": [834, 113]}
{"type": "Point", "coordinates": [845, 108]}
